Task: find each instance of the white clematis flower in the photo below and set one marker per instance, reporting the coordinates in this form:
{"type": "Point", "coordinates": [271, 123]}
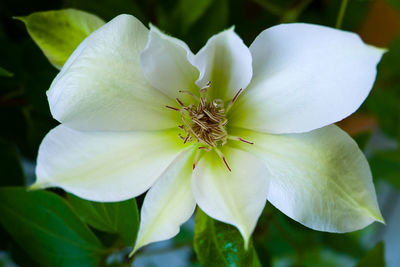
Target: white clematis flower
{"type": "Point", "coordinates": [227, 128]}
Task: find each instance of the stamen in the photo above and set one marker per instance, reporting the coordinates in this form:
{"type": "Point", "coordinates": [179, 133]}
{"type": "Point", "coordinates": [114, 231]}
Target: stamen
{"type": "Point", "coordinates": [245, 141]}
{"type": "Point", "coordinates": [201, 124]}
{"type": "Point", "coordinates": [190, 128]}
{"type": "Point", "coordinates": [236, 138]}
{"type": "Point", "coordinates": [237, 94]}
{"type": "Point", "coordinates": [233, 100]}
{"type": "Point", "coordinates": [222, 157]}
{"type": "Point", "coordinates": [211, 116]}
{"type": "Point", "coordinates": [180, 102]}
{"type": "Point", "coordinates": [196, 158]}
{"type": "Point", "coordinates": [204, 89]}
{"type": "Point", "coordinates": [176, 109]}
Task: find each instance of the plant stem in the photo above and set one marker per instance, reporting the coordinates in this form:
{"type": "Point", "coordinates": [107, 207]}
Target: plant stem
{"type": "Point", "coordinates": [341, 13]}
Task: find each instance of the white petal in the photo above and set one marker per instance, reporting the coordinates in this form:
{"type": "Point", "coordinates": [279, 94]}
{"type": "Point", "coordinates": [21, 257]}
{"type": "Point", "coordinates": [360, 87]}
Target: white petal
{"type": "Point", "coordinates": [225, 61]}
{"type": "Point", "coordinates": [102, 86]}
{"type": "Point", "coordinates": [104, 166]}
{"type": "Point", "coordinates": [236, 197]}
{"type": "Point", "coordinates": [320, 179]}
{"type": "Point", "coordinates": [165, 65]}
{"type": "Point", "coordinates": [169, 202]}
{"type": "Point", "coordinates": [305, 77]}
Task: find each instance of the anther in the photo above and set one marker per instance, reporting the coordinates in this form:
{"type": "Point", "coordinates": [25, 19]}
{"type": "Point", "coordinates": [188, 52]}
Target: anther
{"type": "Point", "coordinates": [204, 89]}
{"type": "Point", "coordinates": [237, 94]}
{"type": "Point", "coordinates": [236, 138]}
{"type": "Point", "coordinates": [196, 159]}
{"type": "Point", "coordinates": [245, 141]}
{"type": "Point", "coordinates": [180, 102]}
{"type": "Point", "coordinates": [223, 158]}
{"type": "Point", "coordinates": [233, 100]}
{"type": "Point", "coordinates": [173, 108]}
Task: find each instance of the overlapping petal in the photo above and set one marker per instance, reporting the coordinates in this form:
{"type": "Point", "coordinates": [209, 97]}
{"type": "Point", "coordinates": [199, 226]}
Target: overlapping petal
{"type": "Point", "coordinates": [104, 166]}
{"type": "Point", "coordinates": [320, 179]}
{"type": "Point", "coordinates": [236, 197]}
{"type": "Point", "coordinates": [166, 66]}
{"type": "Point", "coordinates": [225, 61]}
{"type": "Point", "coordinates": [305, 77]}
{"type": "Point", "coordinates": [169, 202]}
{"type": "Point", "coordinates": [102, 86]}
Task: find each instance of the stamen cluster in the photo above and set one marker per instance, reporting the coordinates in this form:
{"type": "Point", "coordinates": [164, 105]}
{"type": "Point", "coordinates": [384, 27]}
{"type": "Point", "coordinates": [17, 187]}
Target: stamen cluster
{"type": "Point", "coordinates": [206, 122]}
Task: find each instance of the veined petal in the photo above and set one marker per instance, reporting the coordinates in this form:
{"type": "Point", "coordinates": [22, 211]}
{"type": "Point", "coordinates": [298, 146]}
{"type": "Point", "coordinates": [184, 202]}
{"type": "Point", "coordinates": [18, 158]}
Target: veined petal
{"type": "Point", "coordinates": [165, 65]}
{"type": "Point", "coordinates": [225, 61]}
{"type": "Point", "coordinates": [305, 77]}
{"type": "Point", "coordinates": [320, 179]}
{"type": "Point", "coordinates": [104, 166]}
{"type": "Point", "coordinates": [102, 87]}
{"type": "Point", "coordinates": [237, 197]}
{"type": "Point", "coordinates": [169, 202]}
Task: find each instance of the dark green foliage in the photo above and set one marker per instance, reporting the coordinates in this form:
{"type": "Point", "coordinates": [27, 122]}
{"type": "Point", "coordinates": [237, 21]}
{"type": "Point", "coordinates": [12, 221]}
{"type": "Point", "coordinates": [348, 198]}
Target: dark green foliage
{"type": "Point", "coordinates": [121, 218]}
{"type": "Point", "coordinates": [374, 257]}
{"type": "Point", "coordinates": [46, 227]}
{"type": "Point", "coordinates": [220, 244]}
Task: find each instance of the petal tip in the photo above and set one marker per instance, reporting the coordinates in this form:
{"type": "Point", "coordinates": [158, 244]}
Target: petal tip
{"type": "Point", "coordinates": [36, 186]}
{"type": "Point", "coordinates": [134, 250]}
{"type": "Point", "coordinates": [379, 218]}
{"type": "Point", "coordinates": [381, 50]}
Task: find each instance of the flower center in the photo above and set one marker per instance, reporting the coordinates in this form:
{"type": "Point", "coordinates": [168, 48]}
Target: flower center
{"type": "Point", "coordinates": [206, 122]}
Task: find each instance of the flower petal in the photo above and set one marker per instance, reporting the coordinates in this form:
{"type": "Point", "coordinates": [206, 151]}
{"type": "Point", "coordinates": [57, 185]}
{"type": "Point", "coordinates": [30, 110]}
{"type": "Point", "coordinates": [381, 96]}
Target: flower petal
{"type": "Point", "coordinates": [320, 179]}
{"type": "Point", "coordinates": [225, 61]}
{"type": "Point", "coordinates": [305, 77]}
{"type": "Point", "coordinates": [104, 166]}
{"type": "Point", "coordinates": [165, 65]}
{"type": "Point", "coordinates": [102, 87]}
{"type": "Point", "coordinates": [236, 197]}
{"type": "Point", "coordinates": [169, 202]}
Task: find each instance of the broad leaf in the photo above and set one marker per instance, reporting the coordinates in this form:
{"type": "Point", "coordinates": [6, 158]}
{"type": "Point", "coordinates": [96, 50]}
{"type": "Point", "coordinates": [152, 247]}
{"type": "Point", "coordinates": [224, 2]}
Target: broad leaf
{"type": "Point", "coordinates": [116, 217]}
{"type": "Point", "coordinates": [59, 32]}
{"type": "Point", "coordinates": [220, 244]}
{"type": "Point", "coordinates": [374, 257]}
{"type": "Point", "coordinates": [5, 73]}
{"type": "Point", "coordinates": [45, 226]}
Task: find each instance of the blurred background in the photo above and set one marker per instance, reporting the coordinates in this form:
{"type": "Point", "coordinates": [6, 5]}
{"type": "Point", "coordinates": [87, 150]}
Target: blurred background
{"type": "Point", "coordinates": [25, 75]}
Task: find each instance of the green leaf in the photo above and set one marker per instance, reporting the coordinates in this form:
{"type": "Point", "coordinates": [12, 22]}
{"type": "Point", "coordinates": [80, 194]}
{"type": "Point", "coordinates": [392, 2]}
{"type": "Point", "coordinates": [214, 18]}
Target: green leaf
{"type": "Point", "coordinates": [374, 257]}
{"type": "Point", "coordinates": [46, 227]}
{"type": "Point", "coordinates": [220, 244]}
{"type": "Point", "coordinates": [118, 217]}
{"type": "Point", "coordinates": [191, 11]}
{"type": "Point", "coordinates": [59, 32]}
{"type": "Point", "coordinates": [5, 73]}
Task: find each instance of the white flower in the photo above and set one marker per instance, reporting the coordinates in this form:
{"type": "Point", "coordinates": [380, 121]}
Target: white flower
{"type": "Point", "coordinates": [125, 90]}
